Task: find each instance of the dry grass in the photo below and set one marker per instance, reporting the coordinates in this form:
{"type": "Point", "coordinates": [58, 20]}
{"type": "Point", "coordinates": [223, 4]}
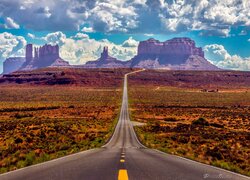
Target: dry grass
{"type": "Point", "coordinates": [42, 123]}
{"type": "Point", "coordinates": [170, 114]}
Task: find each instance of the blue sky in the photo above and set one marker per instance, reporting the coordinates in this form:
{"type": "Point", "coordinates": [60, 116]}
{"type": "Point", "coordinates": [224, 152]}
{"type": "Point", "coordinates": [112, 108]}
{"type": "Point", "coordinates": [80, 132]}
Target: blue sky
{"type": "Point", "coordinates": [83, 27]}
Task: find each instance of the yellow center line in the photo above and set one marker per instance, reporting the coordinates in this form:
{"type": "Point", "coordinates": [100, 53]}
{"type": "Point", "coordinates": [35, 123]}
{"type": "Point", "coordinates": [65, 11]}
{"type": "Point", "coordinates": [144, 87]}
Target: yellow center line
{"type": "Point", "coordinates": [123, 174]}
{"type": "Point", "coordinates": [122, 156]}
{"type": "Point", "coordinates": [122, 160]}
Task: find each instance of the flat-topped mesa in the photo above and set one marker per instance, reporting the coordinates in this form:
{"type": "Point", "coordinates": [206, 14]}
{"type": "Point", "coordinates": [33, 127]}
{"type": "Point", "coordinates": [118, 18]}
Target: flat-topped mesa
{"type": "Point", "coordinates": [175, 46]}
{"type": "Point", "coordinates": [43, 56]}
{"type": "Point", "coordinates": [176, 53]}
{"type": "Point", "coordinates": [48, 50]}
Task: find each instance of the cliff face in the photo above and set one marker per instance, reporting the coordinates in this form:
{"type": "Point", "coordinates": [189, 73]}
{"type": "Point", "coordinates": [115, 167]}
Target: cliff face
{"type": "Point", "coordinates": [106, 61]}
{"type": "Point", "coordinates": [44, 56]}
{"type": "Point", "coordinates": [176, 46]}
{"type": "Point", "coordinates": [174, 54]}
{"type": "Point", "coordinates": [12, 64]}
{"type": "Point", "coordinates": [177, 53]}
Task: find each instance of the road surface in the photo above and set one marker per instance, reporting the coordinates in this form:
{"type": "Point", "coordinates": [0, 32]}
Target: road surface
{"type": "Point", "coordinates": [123, 157]}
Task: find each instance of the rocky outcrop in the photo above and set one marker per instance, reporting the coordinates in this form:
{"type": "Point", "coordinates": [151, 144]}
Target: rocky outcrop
{"type": "Point", "coordinates": [106, 61]}
{"type": "Point", "coordinates": [173, 54]}
{"type": "Point", "coordinates": [177, 53]}
{"type": "Point", "coordinates": [44, 56]}
{"type": "Point", "coordinates": [38, 57]}
{"type": "Point", "coordinates": [12, 64]}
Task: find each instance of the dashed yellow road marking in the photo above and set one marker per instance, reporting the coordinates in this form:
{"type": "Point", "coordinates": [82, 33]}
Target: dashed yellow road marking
{"type": "Point", "coordinates": [123, 174]}
{"type": "Point", "coordinates": [122, 160]}
{"type": "Point", "coordinates": [122, 156]}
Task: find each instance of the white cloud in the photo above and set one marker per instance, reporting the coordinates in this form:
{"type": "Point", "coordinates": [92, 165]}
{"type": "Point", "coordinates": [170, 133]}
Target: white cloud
{"type": "Point", "coordinates": [243, 33]}
{"type": "Point", "coordinates": [11, 46]}
{"type": "Point", "coordinates": [130, 43]}
{"type": "Point", "coordinates": [118, 16]}
{"type": "Point", "coordinates": [55, 38]}
{"type": "Point", "coordinates": [215, 18]}
{"type": "Point", "coordinates": [216, 32]}
{"type": "Point", "coordinates": [10, 24]}
{"type": "Point", "coordinates": [220, 57]}
{"type": "Point", "coordinates": [32, 36]}
{"type": "Point", "coordinates": [133, 16]}
{"type": "Point", "coordinates": [88, 29]}
{"type": "Point", "coordinates": [81, 36]}
{"type": "Point", "coordinates": [149, 35]}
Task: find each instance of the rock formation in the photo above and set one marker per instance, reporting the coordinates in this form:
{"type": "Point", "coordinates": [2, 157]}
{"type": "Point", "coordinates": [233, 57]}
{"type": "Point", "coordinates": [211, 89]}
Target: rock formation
{"type": "Point", "coordinates": [177, 53]}
{"type": "Point", "coordinates": [44, 56]}
{"type": "Point", "coordinates": [12, 64]}
{"type": "Point", "coordinates": [106, 61]}
{"type": "Point", "coordinates": [173, 54]}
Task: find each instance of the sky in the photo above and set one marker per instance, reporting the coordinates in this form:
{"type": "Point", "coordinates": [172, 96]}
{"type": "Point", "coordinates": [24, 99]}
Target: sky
{"type": "Point", "coordinates": [82, 27]}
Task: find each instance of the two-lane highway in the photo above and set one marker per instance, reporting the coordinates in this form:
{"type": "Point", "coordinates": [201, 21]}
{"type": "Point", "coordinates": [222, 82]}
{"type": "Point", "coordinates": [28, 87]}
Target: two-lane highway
{"type": "Point", "coordinates": [123, 157]}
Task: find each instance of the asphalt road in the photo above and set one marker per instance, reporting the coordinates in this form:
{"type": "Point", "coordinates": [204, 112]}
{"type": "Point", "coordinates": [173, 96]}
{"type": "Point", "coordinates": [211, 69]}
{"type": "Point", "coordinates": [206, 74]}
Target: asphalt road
{"type": "Point", "coordinates": [123, 157]}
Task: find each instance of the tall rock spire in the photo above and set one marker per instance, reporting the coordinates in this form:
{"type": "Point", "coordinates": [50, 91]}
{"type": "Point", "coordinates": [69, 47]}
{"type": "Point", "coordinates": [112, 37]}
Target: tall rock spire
{"type": "Point", "coordinates": [29, 52]}
{"type": "Point", "coordinates": [105, 53]}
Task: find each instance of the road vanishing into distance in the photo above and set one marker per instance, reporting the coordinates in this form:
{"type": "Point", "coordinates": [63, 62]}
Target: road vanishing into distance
{"type": "Point", "coordinates": [123, 157]}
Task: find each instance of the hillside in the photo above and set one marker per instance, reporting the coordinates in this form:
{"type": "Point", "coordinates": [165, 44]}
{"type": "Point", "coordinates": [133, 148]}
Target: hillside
{"type": "Point", "coordinates": [67, 76]}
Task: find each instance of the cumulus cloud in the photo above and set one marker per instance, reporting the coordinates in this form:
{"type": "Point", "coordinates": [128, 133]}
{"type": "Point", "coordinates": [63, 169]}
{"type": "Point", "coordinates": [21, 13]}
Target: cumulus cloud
{"type": "Point", "coordinates": [44, 11]}
{"type": "Point", "coordinates": [223, 59]}
{"type": "Point", "coordinates": [81, 36]}
{"type": "Point", "coordinates": [133, 16]}
{"type": "Point", "coordinates": [88, 29]}
{"type": "Point", "coordinates": [130, 43]}
{"type": "Point", "coordinates": [11, 46]}
{"type": "Point", "coordinates": [32, 36]}
{"type": "Point", "coordinates": [55, 38]}
{"type": "Point", "coordinates": [10, 24]}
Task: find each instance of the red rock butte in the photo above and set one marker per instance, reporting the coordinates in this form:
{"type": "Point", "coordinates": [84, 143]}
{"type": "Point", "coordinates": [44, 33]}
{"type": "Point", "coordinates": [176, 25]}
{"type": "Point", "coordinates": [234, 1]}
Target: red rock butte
{"type": "Point", "coordinates": [174, 46]}
{"type": "Point", "coordinates": [43, 56]}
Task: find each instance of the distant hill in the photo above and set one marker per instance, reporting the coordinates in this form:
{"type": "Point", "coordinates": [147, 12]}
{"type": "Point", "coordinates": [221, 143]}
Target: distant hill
{"type": "Point", "coordinates": [193, 79]}
{"type": "Point", "coordinates": [106, 77]}
{"type": "Point", "coordinates": [66, 76]}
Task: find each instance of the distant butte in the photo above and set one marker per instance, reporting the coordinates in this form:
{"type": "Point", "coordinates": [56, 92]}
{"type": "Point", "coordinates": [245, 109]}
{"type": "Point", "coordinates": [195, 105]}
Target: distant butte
{"type": "Point", "coordinates": [44, 56]}
{"type": "Point", "coordinates": [106, 61]}
{"type": "Point", "coordinates": [35, 58]}
{"type": "Point", "coordinates": [173, 54]}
